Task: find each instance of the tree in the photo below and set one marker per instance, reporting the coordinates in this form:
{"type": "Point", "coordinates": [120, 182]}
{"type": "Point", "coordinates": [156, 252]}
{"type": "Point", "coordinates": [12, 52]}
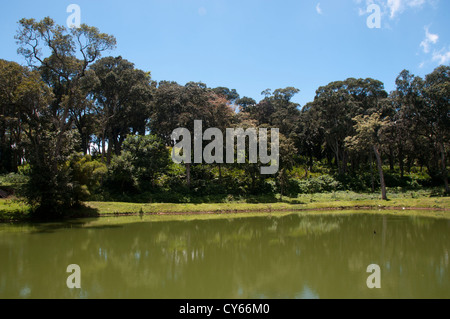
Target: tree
{"type": "Point", "coordinates": [406, 128]}
{"type": "Point", "coordinates": [123, 98]}
{"type": "Point", "coordinates": [422, 115]}
{"type": "Point", "coordinates": [368, 138]}
{"type": "Point", "coordinates": [337, 104]}
{"type": "Point", "coordinates": [231, 95]}
{"type": "Point", "coordinates": [62, 70]}
{"type": "Point", "coordinates": [276, 110]}
{"type": "Point", "coordinates": [30, 99]}
{"type": "Point", "coordinates": [88, 175]}
{"type": "Point", "coordinates": [287, 154]}
{"type": "Point", "coordinates": [177, 106]}
{"type": "Point", "coordinates": [311, 134]}
{"type": "Point", "coordinates": [148, 156]}
{"type": "Point", "coordinates": [51, 138]}
{"type": "Point", "coordinates": [143, 159]}
{"type": "Point", "coordinates": [245, 102]}
{"type": "Point", "coordinates": [437, 113]}
{"type": "Point", "coordinates": [15, 84]}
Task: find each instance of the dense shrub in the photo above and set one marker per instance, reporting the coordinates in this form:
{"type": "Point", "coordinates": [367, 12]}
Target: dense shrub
{"type": "Point", "coordinates": [88, 175]}
{"type": "Point", "coordinates": [321, 184]}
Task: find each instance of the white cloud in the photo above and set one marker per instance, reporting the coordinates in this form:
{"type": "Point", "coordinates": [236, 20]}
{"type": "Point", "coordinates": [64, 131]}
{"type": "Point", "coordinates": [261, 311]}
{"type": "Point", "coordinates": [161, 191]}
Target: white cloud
{"type": "Point", "coordinates": [442, 57]}
{"type": "Point", "coordinates": [393, 8]}
{"type": "Point", "coordinates": [319, 9]}
{"type": "Point", "coordinates": [430, 38]}
{"type": "Point", "coordinates": [398, 6]}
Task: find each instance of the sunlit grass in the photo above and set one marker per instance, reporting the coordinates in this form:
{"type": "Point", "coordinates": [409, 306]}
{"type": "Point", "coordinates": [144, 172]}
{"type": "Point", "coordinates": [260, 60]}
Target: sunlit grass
{"type": "Point", "coordinates": [302, 202]}
{"type": "Point", "coordinates": [13, 209]}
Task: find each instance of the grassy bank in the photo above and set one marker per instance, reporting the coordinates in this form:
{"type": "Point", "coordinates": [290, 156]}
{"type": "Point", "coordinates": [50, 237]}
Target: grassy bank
{"type": "Point", "coordinates": [13, 210]}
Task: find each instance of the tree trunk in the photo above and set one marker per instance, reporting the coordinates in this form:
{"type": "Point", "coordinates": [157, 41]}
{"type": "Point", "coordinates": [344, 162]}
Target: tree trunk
{"type": "Point", "coordinates": [380, 170]}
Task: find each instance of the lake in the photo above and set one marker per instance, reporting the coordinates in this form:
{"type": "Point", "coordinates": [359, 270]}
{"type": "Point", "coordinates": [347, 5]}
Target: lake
{"type": "Point", "coordinates": [304, 256]}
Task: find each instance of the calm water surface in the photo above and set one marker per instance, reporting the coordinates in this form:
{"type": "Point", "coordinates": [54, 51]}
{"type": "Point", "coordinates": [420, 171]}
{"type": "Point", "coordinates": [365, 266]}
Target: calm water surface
{"type": "Point", "coordinates": [294, 256]}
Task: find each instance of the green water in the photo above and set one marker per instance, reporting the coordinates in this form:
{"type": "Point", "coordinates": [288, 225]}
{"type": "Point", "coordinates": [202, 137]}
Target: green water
{"type": "Point", "coordinates": [293, 256]}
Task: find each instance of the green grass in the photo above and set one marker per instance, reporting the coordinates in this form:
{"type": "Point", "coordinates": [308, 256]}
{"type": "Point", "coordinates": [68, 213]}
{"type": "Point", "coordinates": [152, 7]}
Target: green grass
{"type": "Point", "coordinates": [421, 199]}
{"type": "Point", "coordinates": [17, 210]}
{"type": "Point", "coordinates": [13, 209]}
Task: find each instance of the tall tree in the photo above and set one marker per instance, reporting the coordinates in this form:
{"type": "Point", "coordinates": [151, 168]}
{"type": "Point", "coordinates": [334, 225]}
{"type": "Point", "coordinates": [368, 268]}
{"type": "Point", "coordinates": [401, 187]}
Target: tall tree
{"type": "Point", "coordinates": [70, 54]}
{"type": "Point", "coordinates": [276, 110]}
{"type": "Point", "coordinates": [12, 78]}
{"type": "Point", "coordinates": [122, 96]}
{"type": "Point", "coordinates": [287, 153]}
{"type": "Point", "coordinates": [368, 138]}
{"type": "Point", "coordinates": [177, 106]}
{"type": "Point", "coordinates": [231, 95]}
{"type": "Point", "coordinates": [337, 104]}
{"type": "Point", "coordinates": [437, 114]}
{"type": "Point", "coordinates": [141, 161]}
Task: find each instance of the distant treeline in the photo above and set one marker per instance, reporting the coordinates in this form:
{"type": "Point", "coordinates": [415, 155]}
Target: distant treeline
{"type": "Point", "coordinates": [77, 125]}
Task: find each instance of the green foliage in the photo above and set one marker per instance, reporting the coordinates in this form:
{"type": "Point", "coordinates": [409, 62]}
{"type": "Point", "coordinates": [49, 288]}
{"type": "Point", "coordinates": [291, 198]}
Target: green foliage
{"type": "Point", "coordinates": [143, 161]}
{"type": "Point", "coordinates": [148, 156]}
{"type": "Point", "coordinates": [87, 175]}
{"type": "Point", "coordinates": [360, 182]}
{"type": "Point", "coordinates": [51, 187]}
{"type": "Point", "coordinates": [321, 184]}
{"type": "Point", "coordinates": [121, 176]}
{"type": "Point", "coordinates": [13, 179]}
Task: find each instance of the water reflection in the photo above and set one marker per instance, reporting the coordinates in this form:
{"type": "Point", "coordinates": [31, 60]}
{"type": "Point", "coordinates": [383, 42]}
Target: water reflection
{"type": "Point", "coordinates": [294, 256]}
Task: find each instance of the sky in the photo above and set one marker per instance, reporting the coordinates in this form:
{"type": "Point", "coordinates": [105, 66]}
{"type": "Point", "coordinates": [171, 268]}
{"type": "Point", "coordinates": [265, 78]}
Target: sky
{"type": "Point", "coordinates": [252, 45]}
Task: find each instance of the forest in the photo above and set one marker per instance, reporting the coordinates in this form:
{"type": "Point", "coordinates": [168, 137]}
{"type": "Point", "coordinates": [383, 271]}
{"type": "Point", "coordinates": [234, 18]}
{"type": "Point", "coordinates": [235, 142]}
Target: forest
{"type": "Point", "coordinates": [78, 125]}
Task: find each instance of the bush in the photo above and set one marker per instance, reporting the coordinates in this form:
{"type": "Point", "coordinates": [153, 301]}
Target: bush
{"type": "Point", "coordinates": [13, 180]}
{"type": "Point", "coordinates": [88, 175]}
{"type": "Point", "coordinates": [321, 184]}
{"type": "Point", "coordinates": [357, 182]}
{"type": "Point", "coordinates": [120, 177]}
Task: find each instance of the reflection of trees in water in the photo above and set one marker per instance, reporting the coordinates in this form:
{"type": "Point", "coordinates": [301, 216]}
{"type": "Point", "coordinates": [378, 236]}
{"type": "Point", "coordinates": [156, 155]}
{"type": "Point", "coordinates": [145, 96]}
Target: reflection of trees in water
{"type": "Point", "coordinates": [289, 257]}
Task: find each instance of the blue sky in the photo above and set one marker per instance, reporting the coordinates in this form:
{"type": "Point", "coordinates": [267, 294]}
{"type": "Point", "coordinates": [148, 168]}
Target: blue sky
{"type": "Point", "coordinates": [252, 45]}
